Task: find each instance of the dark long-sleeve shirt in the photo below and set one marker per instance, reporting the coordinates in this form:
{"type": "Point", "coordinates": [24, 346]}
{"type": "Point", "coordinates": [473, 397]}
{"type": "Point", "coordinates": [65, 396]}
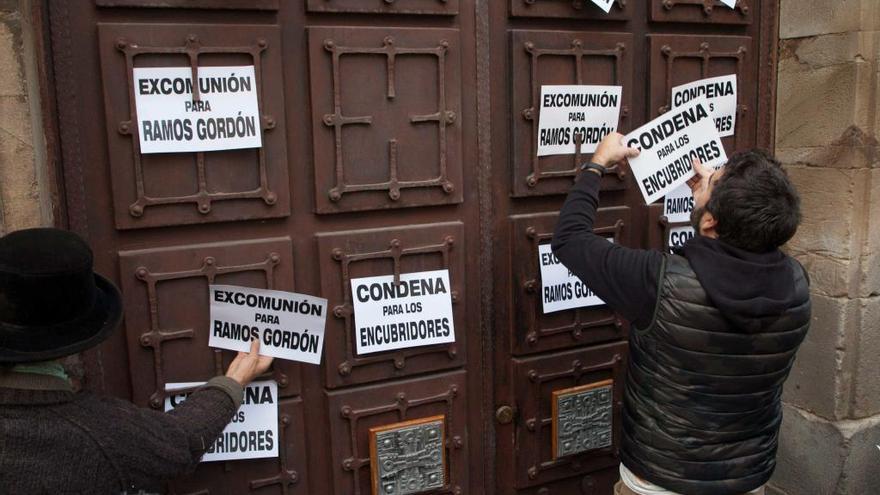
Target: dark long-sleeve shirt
{"type": "Point", "coordinates": [626, 279]}
{"type": "Point", "coordinates": [55, 441]}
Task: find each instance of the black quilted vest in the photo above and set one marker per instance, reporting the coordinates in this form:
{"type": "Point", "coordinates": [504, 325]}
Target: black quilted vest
{"type": "Point", "coordinates": [702, 402]}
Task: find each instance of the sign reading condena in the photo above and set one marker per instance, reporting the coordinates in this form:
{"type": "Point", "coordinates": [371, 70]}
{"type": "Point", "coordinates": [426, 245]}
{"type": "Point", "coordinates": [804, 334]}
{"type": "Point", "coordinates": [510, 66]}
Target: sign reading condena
{"type": "Point", "coordinates": [669, 144]}
{"type": "Point", "coordinates": [413, 312]}
{"type": "Point", "coordinates": [225, 117]}
{"type": "Point", "coordinates": [678, 236]}
{"type": "Point", "coordinates": [561, 289]}
{"type": "Point", "coordinates": [591, 112]}
{"type": "Point", "coordinates": [720, 92]}
{"type": "Point", "coordinates": [253, 431]}
{"type": "Point", "coordinates": [288, 325]}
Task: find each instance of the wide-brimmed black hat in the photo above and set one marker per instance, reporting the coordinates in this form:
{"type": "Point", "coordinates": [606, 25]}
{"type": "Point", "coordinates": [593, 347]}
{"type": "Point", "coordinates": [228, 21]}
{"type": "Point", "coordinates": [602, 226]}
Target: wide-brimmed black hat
{"type": "Point", "coordinates": [52, 303]}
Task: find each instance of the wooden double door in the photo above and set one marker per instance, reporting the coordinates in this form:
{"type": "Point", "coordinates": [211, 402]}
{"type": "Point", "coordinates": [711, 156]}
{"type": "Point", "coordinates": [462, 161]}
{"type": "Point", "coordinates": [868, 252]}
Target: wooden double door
{"type": "Point", "coordinates": [398, 136]}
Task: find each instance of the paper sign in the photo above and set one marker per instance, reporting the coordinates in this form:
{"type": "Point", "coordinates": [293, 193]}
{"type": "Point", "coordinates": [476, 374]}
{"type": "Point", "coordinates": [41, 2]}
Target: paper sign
{"type": "Point", "coordinates": [729, 3]}
{"type": "Point", "coordinates": [289, 325]}
{"type": "Point", "coordinates": [606, 4]}
{"type": "Point", "coordinates": [253, 431]}
{"type": "Point", "coordinates": [561, 289]}
{"type": "Point", "coordinates": [669, 144]}
{"type": "Point", "coordinates": [415, 312]}
{"type": "Point", "coordinates": [679, 235]}
{"type": "Point", "coordinates": [678, 204]}
{"type": "Point", "coordinates": [591, 111]}
{"type": "Point", "coordinates": [721, 94]}
{"type": "Point", "coordinates": [225, 117]}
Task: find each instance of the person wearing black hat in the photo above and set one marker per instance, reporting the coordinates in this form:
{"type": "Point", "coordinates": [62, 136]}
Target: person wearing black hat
{"type": "Point", "coordinates": [53, 440]}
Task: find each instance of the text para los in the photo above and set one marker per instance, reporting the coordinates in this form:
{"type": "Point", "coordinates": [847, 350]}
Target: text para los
{"type": "Point", "coordinates": [569, 113]}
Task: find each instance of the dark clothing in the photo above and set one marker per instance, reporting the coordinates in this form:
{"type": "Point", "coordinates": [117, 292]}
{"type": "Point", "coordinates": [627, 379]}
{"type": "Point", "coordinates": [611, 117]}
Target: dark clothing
{"type": "Point", "coordinates": [714, 338]}
{"type": "Point", "coordinates": [626, 279]}
{"type": "Point", "coordinates": [702, 405]}
{"type": "Point", "coordinates": [54, 441]}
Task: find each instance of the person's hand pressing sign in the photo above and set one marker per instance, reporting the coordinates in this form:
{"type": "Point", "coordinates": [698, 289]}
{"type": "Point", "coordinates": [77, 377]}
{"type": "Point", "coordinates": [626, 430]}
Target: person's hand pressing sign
{"type": "Point", "coordinates": [248, 365]}
{"type": "Point", "coordinates": [702, 182]}
{"type": "Point", "coordinates": [612, 150]}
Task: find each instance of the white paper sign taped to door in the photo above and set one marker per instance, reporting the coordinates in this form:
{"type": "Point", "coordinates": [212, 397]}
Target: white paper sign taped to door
{"type": "Point", "coordinates": [668, 146]}
{"type": "Point", "coordinates": [170, 120]}
{"type": "Point", "coordinates": [253, 431]}
{"type": "Point", "coordinates": [561, 289]}
{"type": "Point", "coordinates": [413, 312]}
{"type": "Point", "coordinates": [721, 94]}
{"type": "Point", "coordinates": [567, 111]}
{"type": "Point", "coordinates": [288, 325]}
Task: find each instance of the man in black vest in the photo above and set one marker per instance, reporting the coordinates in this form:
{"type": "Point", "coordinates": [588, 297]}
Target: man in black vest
{"type": "Point", "coordinates": [715, 326]}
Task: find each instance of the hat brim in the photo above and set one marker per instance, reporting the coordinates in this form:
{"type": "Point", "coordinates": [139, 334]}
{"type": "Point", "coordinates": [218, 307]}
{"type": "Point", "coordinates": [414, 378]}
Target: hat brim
{"type": "Point", "coordinates": [66, 338]}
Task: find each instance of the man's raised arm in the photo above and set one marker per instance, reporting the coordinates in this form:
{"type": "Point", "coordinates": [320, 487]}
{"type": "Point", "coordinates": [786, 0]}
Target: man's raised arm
{"type": "Point", "coordinates": [626, 279]}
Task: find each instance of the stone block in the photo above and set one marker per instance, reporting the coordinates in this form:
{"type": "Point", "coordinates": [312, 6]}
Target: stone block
{"type": "Point", "coordinates": [820, 380]}
{"type": "Point", "coordinates": [827, 201]}
{"type": "Point", "coordinates": [799, 468]}
{"type": "Point", "coordinates": [805, 99]}
{"type": "Point", "coordinates": [866, 390]}
{"type": "Point", "coordinates": [820, 457]}
{"type": "Point", "coordinates": [800, 18]}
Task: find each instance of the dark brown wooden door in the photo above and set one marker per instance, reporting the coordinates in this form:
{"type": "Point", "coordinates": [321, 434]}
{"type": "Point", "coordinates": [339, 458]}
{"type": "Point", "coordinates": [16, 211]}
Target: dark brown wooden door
{"type": "Point", "coordinates": [397, 137]}
{"type": "Point", "coordinates": [647, 47]}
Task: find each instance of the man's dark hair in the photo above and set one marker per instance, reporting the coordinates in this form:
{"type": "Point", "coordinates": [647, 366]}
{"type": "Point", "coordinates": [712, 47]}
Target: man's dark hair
{"type": "Point", "coordinates": [755, 203]}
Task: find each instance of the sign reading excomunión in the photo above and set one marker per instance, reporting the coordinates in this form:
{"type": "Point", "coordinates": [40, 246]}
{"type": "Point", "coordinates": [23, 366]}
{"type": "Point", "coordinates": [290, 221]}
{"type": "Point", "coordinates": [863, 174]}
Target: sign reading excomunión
{"type": "Point", "coordinates": [170, 119]}
{"type": "Point", "coordinates": [288, 325]}
{"type": "Point", "coordinates": [414, 311]}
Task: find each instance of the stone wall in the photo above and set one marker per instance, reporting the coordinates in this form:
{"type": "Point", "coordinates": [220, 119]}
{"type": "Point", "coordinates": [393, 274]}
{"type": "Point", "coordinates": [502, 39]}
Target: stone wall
{"type": "Point", "coordinates": [24, 196]}
{"type": "Point", "coordinates": [826, 136]}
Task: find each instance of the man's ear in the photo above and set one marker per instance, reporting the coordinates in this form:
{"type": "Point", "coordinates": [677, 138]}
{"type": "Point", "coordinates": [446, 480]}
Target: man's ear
{"type": "Point", "coordinates": [708, 225]}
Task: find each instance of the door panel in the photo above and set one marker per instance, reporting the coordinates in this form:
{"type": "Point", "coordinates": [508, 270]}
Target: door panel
{"type": "Point", "coordinates": [537, 378]}
{"type": "Point", "coordinates": [353, 412]}
{"type": "Point", "coordinates": [184, 188]}
{"type": "Point", "coordinates": [167, 339]}
{"type": "Point", "coordinates": [678, 59]}
{"type": "Point", "coordinates": [554, 57]}
{"type": "Point", "coordinates": [391, 251]}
